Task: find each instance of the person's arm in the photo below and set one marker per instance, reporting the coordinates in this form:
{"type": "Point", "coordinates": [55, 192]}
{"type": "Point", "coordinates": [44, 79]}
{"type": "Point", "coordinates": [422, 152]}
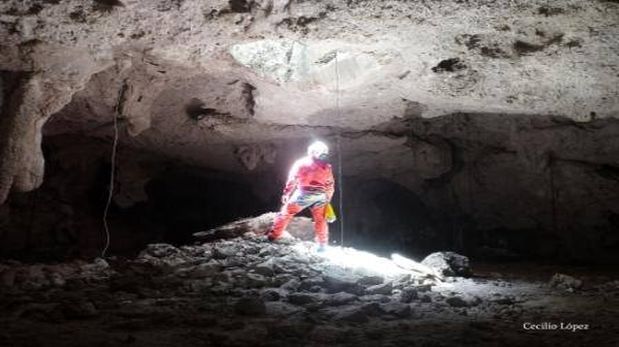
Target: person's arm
{"type": "Point", "coordinates": [291, 183]}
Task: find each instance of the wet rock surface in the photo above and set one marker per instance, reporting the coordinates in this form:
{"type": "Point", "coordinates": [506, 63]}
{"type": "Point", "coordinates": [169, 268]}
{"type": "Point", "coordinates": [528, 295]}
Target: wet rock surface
{"type": "Point", "coordinates": [247, 291]}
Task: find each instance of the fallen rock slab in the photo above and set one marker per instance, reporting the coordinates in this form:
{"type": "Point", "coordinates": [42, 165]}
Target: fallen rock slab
{"type": "Point", "coordinates": [299, 227]}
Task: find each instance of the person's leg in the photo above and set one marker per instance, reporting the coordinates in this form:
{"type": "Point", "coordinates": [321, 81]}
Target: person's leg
{"type": "Point", "coordinates": [285, 215]}
{"type": "Point", "coordinates": [283, 218]}
{"type": "Point", "coordinates": [320, 224]}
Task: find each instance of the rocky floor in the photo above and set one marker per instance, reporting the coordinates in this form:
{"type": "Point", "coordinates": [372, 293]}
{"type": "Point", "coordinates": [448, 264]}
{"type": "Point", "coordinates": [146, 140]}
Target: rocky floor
{"type": "Point", "coordinates": [247, 291]}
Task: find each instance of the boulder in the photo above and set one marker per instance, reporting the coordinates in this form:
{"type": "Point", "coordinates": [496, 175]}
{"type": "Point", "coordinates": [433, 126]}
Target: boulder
{"type": "Point", "coordinates": [340, 284]}
{"type": "Point", "coordinates": [397, 309]}
{"type": "Point", "coordinates": [309, 283]}
{"type": "Point", "coordinates": [290, 285]}
{"type": "Point", "coordinates": [463, 301]}
{"type": "Point", "coordinates": [265, 268]}
{"type": "Point", "coordinates": [384, 289]}
{"type": "Point", "coordinates": [224, 251]}
{"type": "Point", "coordinates": [448, 264]}
{"type": "Point", "coordinates": [159, 250]}
{"type": "Point", "coordinates": [562, 281]}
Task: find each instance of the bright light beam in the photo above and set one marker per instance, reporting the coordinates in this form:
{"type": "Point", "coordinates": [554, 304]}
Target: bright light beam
{"type": "Point", "coordinates": [412, 265]}
{"type": "Point", "coordinates": [361, 262]}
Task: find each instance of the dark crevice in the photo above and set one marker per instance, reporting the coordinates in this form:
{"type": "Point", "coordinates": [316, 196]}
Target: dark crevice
{"type": "Point", "coordinates": [107, 5]}
{"type": "Point", "coordinates": [449, 65]}
{"type": "Point", "coordinates": [240, 6]}
{"type": "Point", "coordinates": [248, 94]}
{"type": "Point", "coordinates": [197, 110]}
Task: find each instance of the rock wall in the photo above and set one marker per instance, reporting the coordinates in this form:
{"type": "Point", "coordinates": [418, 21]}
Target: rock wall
{"type": "Point", "coordinates": [43, 82]}
{"type": "Point", "coordinates": [155, 199]}
{"type": "Point", "coordinates": [486, 185]}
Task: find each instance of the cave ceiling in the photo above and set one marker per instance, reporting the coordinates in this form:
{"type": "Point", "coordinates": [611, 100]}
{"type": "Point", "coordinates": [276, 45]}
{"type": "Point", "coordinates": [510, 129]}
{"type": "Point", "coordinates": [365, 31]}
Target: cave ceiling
{"type": "Point", "coordinates": [188, 77]}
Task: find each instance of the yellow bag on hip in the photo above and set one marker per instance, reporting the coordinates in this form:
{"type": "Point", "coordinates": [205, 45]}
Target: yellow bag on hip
{"type": "Point", "coordinates": [330, 214]}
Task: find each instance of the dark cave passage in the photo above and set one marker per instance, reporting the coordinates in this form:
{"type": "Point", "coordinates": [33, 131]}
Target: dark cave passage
{"type": "Point", "coordinates": [464, 183]}
{"type": "Point", "coordinates": [63, 219]}
{"type": "Point", "coordinates": [184, 203]}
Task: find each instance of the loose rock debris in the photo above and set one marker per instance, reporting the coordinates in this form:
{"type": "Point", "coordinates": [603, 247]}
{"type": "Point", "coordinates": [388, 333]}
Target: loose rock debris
{"type": "Point", "coordinates": [247, 291]}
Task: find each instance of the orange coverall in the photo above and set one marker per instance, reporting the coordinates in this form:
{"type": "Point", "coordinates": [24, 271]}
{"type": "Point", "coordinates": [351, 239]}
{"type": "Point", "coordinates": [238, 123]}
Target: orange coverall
{"type": "Point", "coordinates": [310, 184]}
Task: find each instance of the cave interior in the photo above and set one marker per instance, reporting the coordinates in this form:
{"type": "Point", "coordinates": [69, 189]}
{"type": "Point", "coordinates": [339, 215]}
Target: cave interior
{"type": "Point", "coordinates": [144, 147]}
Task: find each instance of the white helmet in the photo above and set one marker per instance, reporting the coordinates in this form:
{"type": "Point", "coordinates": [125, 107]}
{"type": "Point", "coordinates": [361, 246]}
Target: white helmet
{"type": "Point", "coordinates": [318, 150]}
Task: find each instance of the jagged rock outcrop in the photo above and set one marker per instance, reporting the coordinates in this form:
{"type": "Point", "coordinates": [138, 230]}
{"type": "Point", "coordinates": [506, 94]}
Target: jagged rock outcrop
{"type": "Point", "coordinates": [38, 79]}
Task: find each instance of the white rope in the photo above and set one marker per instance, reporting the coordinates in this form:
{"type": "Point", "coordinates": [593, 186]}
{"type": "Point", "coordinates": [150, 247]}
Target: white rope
{"type": "Point", "coordinates": [112, 174]}
{"type": "Point", "coordinates": [341, 191]}
{"type": "Point", "coordinates": [339, 150]}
